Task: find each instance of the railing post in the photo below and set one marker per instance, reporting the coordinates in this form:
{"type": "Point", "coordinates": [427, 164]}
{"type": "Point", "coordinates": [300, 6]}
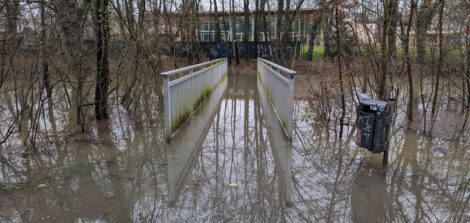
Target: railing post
{"type": "Point", "coordinates": [290, 124]}
{"type": "Point", "coordinates": [212, 74]}
{"type": "Point", "coordinates": [192, 93]}
{"type": "Point", "coordinates": [226, 66]}
{"type": "Point", "coordinates": [166, 96]}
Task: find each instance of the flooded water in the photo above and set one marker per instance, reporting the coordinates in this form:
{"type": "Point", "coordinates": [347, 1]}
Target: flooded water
{"type": "Point", "coordinates": [232, 163]}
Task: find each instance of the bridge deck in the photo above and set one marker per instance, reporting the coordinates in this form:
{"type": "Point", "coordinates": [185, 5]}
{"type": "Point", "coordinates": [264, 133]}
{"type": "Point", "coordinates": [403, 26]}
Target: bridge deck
{"type": "Point", "coordinates": [237, 119]}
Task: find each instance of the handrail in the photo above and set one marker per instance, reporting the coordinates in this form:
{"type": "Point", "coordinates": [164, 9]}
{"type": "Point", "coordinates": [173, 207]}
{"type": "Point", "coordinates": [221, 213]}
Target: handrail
{"type": "Point", "coordinates": [280, 91]}
{"type": "Point", "coordinates": [184, 95]}
{"type": "Point", "coordinates": [278, 67]}
{"type": "Point", "coordinates": [188, 68]}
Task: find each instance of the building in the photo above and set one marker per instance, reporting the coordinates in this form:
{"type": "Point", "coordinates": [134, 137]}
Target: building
{"type": "Point", "coordinates": [300, 30]}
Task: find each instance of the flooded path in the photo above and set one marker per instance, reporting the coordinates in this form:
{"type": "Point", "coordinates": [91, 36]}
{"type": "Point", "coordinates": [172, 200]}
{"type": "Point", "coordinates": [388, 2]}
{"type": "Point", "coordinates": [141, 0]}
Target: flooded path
{"type": "Point", "coordinates": [239, 168]}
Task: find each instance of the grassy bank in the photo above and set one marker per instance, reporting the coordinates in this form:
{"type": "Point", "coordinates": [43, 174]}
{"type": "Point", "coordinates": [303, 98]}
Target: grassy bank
{"type": "Point", "coordinates": [431, 51]}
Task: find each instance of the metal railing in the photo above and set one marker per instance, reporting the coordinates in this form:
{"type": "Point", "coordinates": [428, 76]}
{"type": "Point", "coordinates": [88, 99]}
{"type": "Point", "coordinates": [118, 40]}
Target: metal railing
{"type": "Point", "coordinates": [280, 91]}
{"type": "Point", "coordinates": [184, 95]}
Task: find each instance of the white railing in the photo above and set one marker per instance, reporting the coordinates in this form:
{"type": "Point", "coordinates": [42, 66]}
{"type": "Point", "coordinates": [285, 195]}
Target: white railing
{"type": "Point", "coordinates": [184, 95]}
{"type": "Point", "coordinates": [280, 91]}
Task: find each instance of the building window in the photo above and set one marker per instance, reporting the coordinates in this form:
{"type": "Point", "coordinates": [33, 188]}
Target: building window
{"type": "Point", "coordinates": [239, 36]}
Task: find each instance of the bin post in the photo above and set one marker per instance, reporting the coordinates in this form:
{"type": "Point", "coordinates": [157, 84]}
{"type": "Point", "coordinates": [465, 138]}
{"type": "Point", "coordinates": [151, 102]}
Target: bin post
{"type": "Point", "coordinates": [391, 107]}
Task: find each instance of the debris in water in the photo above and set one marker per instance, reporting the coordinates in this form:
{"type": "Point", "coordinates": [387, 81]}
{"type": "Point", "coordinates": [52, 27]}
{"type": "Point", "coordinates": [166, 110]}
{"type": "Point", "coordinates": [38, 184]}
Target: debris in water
{"type": "Point", "coordinates": [110, 195]}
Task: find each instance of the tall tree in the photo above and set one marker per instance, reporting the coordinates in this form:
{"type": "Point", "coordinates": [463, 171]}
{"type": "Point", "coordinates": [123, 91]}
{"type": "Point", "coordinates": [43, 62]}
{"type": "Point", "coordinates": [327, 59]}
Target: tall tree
{"type": "Point", "coordinates": [246, 35]}
{"type": "Point", "coordinates": [266, 28]}
{"type": "Point", "coordinates": [289, 20]}
{"type": "Point", "coordinates": [227, 40]}
{"type": "Point", "coordinates": [217, 36]}
{"type": "Point", "coordinates": [280, 15]}
{"type": "Point", "coordinates": [256, 29]}
{"type": "Point", "coordinates": [340, 66]}
{"type": "Point", "coordinates": [12, 8]}
{"type": "Point", "coordinates": [45, 66]}
{"type": "Point", "coordinates": [315, 28]}
{"type": "Point", "coordinates": [233, 29]}
{"type": "Point", "coordinates": [327, 29]}
{"type": "Point", "coordinates": [406, 57]}
{"type": "Point", "coordinates": [439, 63]}
{"type": "Point", "coordinates": [392, 35]}
{"type": "Point", "coordinates": [467, 73]}
{"type": "Point", "coordinates": [385, 49]}
{"type": "Point", "coordinates": [102, 71]}
{"type": "Point", "coordinates": [424, 17]}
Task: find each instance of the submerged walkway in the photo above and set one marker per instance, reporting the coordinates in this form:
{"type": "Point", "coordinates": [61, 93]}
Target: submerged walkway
{"type": "Point", "coordinates": [241, 102]}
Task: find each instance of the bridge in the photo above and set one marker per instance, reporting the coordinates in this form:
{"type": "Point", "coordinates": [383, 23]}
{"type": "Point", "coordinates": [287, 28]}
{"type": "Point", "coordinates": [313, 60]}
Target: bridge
{"type": "Point", "coordinates": [195, 95]}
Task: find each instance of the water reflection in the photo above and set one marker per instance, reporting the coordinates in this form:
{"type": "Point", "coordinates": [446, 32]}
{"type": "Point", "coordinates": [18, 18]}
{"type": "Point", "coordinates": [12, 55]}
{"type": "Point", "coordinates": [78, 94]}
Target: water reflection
{"type": "Point", "coordinates": [241, 173]}
{"type": "Point", "coordinates": [369, 195]}
{"type": "Point", "coordinates": [183, 149]}
{"type": "Point", "coordinates": [281, 146]}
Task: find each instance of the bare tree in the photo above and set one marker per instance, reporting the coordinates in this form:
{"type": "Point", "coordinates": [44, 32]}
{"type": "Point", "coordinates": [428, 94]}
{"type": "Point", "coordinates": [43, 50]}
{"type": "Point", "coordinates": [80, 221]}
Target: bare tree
{"type": "Point", "coordinates": [439, 63]}
{"type": "Point", "coordinates": [314, 30]}
{"type": "Point", "coordinates": [233, 28]}
{"type": "Point", "coordinates": [407, 58]}
{"type": "Point", "coordinates": [246, 36]}
{"type": "Point", "coordinates": [102, 41]}
{"type": "Point", "coordinates": [45, 66]}
{"type": "Point", "coordinates": [340, 66]}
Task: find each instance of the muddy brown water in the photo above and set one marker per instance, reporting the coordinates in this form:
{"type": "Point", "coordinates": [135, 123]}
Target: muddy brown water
{"type": "Point", "coordinates": [238, 169]}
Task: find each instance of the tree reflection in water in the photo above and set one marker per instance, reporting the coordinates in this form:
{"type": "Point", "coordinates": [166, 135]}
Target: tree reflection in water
{"type": "Point", "coordinates": [236, 175]}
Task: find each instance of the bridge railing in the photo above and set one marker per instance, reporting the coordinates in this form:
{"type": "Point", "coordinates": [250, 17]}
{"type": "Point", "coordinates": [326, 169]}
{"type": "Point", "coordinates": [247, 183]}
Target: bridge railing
{"type": "Point", "coordinates": [280, 91]}
{"type": "Point", "coordinates": [184, 95]}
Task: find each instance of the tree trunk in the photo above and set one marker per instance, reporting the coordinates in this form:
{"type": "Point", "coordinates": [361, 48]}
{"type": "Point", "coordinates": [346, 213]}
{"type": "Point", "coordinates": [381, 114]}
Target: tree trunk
{"type": "Point", "coordinates": [393, 22]}
{"type": "Point", "coordinates": [267, 31]}
{"type": "Point", "coordinates": [439, 63]}
{"type": "Point", "coordinates": [256, 29]}
{"type": "Point", "coordinates": [287, 29]}
{"type": "Point", "coordinates": [45, 66]}
{"type": "Point", "coordinates": [382, 85]}
{"type": "Point", "coordinates": [406, 56]}
{"type": "Point", "coordinates": [246, 26]}
{"type": "Point", "coordinates": [280, 8]}
{"type": "Point", "coordinates": [313, 35]}
{"type": "Point", "coordinates": [467, 77]}
{"type": "Point", "coordinates": [315, 26]}
{"type": "Point", "coordinates": [12, 12]}
{"type": "Point", "coordinates": [234, 36]}
{"type": "Point", "coordinates": [227, 41]}
{"type": "Point", "coordinates": [102, 41]}
{"type": "Point", "coordinates": [423, 22]}
{"type": "Point", "coordinates": [217, 36]}
{"type": "Point", "coordinates": [340, 69]}
{"type": "Point", "coordinates": [326, 37]}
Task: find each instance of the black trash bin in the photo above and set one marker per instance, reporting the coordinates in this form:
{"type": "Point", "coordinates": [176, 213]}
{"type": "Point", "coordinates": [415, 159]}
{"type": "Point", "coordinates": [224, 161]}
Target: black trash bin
{"type": "Point", "coordinates": [373, 120]}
